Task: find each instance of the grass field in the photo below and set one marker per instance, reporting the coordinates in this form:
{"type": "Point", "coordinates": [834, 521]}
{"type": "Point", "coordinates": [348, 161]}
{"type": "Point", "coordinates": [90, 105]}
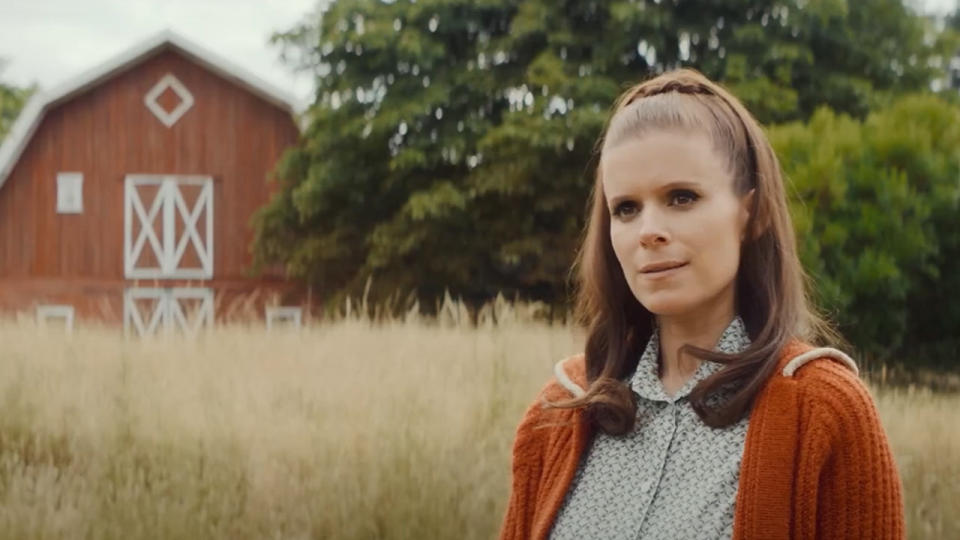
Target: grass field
{"type": "Point", "coordinates": [337, 431]}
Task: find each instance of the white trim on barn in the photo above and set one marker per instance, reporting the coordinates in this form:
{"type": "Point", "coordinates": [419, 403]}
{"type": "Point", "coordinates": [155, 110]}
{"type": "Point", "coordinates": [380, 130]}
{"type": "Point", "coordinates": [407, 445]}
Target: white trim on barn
{"type": "Point", "coordinates": [167, 314]}
{"type": "Point", "coordinates": [167, 249]}
{"type": "Point", "coordinates": [131, 313]}
{"type": "Point", "coordinates": [32, 114]}
{"type": "Point", "coordinates": [202, 318]}
{"type": "Point", "coordinates": [284, 313]}
{"type": "Point", "coordinates": [169, 118]}
{"type": "Point", "coordinates": [56, 311]}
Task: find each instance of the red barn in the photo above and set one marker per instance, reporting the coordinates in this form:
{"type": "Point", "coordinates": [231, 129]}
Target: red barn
{"type": "Point", "coordinates": [126, 194]}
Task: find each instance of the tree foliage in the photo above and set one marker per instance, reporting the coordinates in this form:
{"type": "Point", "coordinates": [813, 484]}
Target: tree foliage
{"type": "Point", "coordinates": [12, 99]}
{"type": "Point", "coordinates": [451, 142]}
{"type": "Point", "coordinates": [875, 205]}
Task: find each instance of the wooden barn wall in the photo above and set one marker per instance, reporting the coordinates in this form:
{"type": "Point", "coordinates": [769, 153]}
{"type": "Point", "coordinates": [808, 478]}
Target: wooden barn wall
{"type": "Point", "coordinates": [107, 133]}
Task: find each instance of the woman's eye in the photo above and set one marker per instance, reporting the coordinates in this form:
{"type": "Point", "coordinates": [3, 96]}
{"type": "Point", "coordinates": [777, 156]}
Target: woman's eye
{"type": "Point", "coordinates": [624, 209]}
{"type": "Point", "coordinates": [683, 194]}
{"type": "Point", "coordinates": [681, 197]}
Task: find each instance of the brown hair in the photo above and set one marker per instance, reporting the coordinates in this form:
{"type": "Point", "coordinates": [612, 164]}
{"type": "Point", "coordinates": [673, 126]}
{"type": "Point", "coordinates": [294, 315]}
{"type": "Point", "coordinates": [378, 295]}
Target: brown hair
{"type": "Point", "coordinates": [771, 285]}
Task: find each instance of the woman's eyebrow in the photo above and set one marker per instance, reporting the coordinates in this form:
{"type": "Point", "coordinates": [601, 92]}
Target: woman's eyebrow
{"type": "Point", "coordinates": [665, 187]}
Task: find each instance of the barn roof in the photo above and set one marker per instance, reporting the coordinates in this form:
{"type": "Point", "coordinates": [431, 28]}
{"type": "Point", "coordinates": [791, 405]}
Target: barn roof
{"type": "Point", "coordinates": [35, 109]}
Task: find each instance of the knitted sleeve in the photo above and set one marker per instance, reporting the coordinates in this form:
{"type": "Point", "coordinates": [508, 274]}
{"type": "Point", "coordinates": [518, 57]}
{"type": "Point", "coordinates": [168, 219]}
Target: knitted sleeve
{"type": "Point", "coordinates": [526, 467]}
{"type": "Point", "coordinates": [858, 491]}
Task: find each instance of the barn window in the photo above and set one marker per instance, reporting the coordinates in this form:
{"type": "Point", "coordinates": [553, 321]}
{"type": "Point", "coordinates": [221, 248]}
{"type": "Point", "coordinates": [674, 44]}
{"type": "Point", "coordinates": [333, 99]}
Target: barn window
{"type": "Point", "coordinates": [64, 313]}
{"type": "Point", "coordinates": [290, 315]}
{"type": "Point", "coordinates": [69, 193]}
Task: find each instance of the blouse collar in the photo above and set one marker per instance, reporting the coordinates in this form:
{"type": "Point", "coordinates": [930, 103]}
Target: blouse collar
{"type": "Point", "coordinates": [648, 385]}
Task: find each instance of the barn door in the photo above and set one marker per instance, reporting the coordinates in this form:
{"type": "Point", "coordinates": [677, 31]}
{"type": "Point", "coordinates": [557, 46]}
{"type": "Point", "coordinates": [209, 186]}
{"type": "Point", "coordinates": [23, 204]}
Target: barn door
{"type": "Point", "coordinates": [149, 311]}
{"type": "Point", "coordinates": [168, 227]}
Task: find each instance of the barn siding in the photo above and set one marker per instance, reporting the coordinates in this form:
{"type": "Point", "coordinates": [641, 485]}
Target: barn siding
{"type": "Point", "coordinates": [106, 133]}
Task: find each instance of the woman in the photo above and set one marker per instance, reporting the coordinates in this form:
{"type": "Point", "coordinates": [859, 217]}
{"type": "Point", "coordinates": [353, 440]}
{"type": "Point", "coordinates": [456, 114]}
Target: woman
{"type": "Point", "coordinates": [700, 407]}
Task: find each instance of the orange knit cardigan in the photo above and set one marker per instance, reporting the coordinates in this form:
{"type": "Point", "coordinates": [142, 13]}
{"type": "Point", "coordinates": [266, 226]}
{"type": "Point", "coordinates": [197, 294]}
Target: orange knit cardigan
{"type": "Point", "coordinates": [816, 461]}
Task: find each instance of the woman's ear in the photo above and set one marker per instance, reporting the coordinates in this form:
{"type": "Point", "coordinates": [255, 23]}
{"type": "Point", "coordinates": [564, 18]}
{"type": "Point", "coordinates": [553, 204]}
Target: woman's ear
{"type": "Point", "coordinates": [746, 203]}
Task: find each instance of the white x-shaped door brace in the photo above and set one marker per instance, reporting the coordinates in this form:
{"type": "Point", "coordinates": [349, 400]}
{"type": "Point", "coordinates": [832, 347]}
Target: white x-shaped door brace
{"type": "Point", "coordinates": [166, 313]}
{"type": "Point", "coordinates": [167, 248]}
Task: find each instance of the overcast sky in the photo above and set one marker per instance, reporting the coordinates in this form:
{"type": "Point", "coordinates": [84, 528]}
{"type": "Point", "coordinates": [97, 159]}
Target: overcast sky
{"type": "Point", "coordinates": [50, 41]}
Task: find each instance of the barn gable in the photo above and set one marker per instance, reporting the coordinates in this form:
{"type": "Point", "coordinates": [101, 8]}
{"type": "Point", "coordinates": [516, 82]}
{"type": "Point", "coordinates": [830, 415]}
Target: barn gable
{"type": "Point", "coordinates": [33, 112]}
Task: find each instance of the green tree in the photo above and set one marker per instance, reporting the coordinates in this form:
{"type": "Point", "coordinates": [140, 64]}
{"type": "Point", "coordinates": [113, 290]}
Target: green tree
{"type": "Point", "coordinates": [875, 206]}
{"type": "Point", "coordinates": [12, 100]}
{"type": "Point", "coordinates": [450, 140]}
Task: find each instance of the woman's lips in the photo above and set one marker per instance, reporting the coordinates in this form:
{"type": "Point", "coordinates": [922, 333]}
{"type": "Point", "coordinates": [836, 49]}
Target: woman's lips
{"type": "Point", "coordinates": [664, 273]}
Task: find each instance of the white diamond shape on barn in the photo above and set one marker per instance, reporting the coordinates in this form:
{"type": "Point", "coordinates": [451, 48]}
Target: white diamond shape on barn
{"type": "Point", "coordinates": [186, 99]}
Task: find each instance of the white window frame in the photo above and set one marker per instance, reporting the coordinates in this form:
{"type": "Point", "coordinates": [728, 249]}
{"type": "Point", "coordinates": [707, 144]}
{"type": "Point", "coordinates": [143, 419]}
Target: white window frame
{"type": "Point", "coordinates": [167, 315]}
{"type": "Point", "coordinates": [69, 183]}
{"type": "Point", "coordinates": [167, 249]}
{"type": "Point", "coordinates": [284, 313]}
{"type": "Point", "coordinates": [56, 311]}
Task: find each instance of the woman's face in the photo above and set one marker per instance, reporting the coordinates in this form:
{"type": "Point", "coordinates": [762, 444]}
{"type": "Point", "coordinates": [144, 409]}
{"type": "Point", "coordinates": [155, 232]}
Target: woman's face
{"type": "Point", "coordinates": [670, 197]}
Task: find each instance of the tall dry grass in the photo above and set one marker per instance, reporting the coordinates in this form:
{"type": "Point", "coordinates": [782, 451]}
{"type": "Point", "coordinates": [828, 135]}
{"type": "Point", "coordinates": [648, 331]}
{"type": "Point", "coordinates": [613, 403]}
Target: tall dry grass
{"type": "Point", "coordinates": [343, 430]}
{"type": "Point", "coordinates": [924, 431]}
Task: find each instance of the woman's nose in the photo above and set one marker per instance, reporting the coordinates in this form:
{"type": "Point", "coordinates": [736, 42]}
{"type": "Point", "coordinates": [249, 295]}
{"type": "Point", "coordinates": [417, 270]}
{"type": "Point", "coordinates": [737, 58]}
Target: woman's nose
{"type": "Point", "coordinates": [653, 238]}
{"type": "Point", "coordinates": [652, 230]}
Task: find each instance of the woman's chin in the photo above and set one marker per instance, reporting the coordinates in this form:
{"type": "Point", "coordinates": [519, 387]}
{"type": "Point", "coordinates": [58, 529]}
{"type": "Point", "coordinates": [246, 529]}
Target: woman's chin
{"type": "Point", "coordinates": [665, 306]}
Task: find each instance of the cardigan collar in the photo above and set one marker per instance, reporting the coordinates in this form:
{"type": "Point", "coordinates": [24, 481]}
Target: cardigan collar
{"type": "Point", "coordinates": [570, 372]}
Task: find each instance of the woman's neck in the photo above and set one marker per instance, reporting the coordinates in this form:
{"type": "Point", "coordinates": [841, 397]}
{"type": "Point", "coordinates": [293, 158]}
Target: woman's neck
{"type": "Point", "coordinates": [702, 331]}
